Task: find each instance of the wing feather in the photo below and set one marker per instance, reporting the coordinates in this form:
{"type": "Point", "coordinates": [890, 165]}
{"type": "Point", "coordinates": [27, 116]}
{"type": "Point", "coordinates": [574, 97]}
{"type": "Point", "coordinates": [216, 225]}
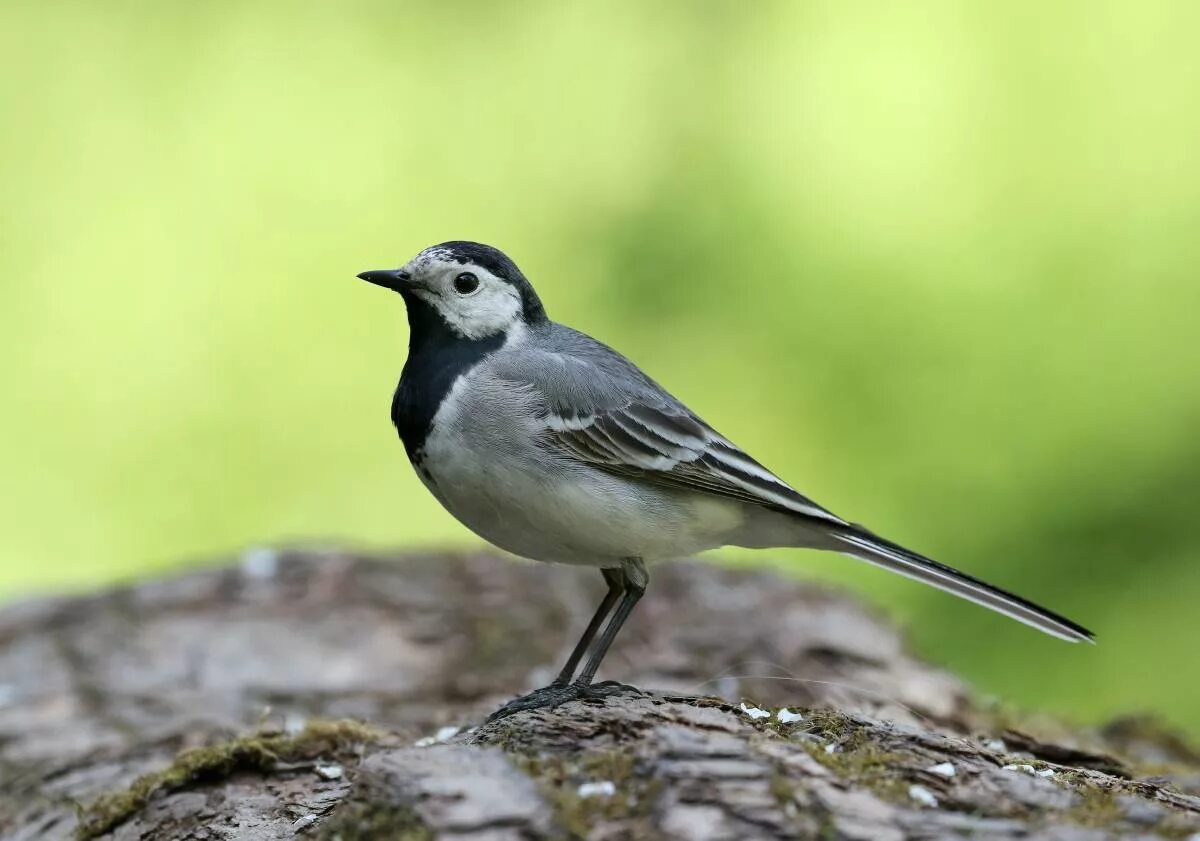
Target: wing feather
{"type": "Point", "coordinates": [663, 445]}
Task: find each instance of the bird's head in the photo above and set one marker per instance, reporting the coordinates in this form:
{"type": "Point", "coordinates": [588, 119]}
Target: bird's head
{"type": "Point", "coordinates": [475, 290]}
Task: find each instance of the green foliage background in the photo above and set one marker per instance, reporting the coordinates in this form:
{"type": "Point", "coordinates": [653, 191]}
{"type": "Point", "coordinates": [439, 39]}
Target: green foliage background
{"type": "Point", "coordinates": [935, 263]}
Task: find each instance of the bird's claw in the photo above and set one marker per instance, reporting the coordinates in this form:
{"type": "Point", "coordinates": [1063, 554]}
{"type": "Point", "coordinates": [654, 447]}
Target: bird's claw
{"type": "Point", "coordinates": [548, 697]}
{"type": "Point", "coordinates": [554, 695]}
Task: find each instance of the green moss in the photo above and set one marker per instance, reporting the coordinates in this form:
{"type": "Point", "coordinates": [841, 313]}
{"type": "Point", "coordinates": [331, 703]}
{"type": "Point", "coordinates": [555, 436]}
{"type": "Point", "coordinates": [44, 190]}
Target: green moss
{"type": "Point", "coordinates": [867, 766]}
{"type": "Point", "coordinates": [1098, 807]}
{"type": "Point", "coordinates": [830, 725]}
{"type": "Point", "coordinates": [559, 778]}
{"type": "Point", "coordinates": [373, 821]}
{"type": "Point", "coordinates": [508, 737]}
{"type": "Point", "coordinates": [857, 759]}
{"type": "Point", "coordinates": [247, 753]}
{"type": "Point", "coordinates": [1092, 788]}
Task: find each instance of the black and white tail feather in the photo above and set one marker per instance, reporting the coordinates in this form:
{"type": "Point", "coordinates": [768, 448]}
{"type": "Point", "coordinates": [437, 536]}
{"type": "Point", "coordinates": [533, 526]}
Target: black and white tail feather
{"type": "Point", "coordinates": [873, 549]}
{"type": "Point", "coordinates": [658, 439]}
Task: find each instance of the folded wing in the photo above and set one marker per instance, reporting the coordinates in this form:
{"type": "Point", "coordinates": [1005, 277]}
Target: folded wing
{"type": "Point", "coordinates": [667, 445]}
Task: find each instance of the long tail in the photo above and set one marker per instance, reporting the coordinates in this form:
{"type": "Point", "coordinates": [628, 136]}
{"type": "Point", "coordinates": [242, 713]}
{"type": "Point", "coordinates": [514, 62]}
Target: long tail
{"type": "Point", "coordinates": [873, 549]}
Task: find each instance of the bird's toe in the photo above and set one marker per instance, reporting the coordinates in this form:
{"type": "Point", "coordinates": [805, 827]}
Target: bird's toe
{"type": "Point", "coordinates": [548, 697]}
{"type": "Point", "coordinates": [608, 688]}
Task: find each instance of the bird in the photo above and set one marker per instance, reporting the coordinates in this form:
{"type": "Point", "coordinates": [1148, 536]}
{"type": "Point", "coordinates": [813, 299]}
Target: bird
{"type": "Point", "coordinates": [552, 446]}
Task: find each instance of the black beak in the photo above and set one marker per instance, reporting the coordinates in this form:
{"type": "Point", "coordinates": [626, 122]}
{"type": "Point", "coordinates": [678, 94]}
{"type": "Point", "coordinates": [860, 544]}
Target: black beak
{"type": "Point", "coordinates": [387, 278]}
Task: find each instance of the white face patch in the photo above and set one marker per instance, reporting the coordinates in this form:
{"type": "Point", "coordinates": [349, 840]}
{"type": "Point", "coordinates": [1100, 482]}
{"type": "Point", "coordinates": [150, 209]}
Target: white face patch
{"type": "Point", "coordinates": [494, 306]}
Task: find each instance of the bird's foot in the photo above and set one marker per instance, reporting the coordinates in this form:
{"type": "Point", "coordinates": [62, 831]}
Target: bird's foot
{"type": "Point", "coordinates": [557, 694]}
{"type": "Point", "coordinates": [548, 697]}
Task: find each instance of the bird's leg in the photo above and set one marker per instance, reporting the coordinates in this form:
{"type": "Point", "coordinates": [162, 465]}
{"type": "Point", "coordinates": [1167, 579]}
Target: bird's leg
{"type": "Point", "coordinates": [636, 578]}
{"type": "Point", "coordinates": [561, 689]}
{"type": "Point", "coordinates": [616, 585]}
{"type": "Point", "coordinates": [627, 583]}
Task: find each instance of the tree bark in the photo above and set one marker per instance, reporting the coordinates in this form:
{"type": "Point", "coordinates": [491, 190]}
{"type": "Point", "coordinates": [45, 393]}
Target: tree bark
{"type": "Point", "coordinates": [222, 704]}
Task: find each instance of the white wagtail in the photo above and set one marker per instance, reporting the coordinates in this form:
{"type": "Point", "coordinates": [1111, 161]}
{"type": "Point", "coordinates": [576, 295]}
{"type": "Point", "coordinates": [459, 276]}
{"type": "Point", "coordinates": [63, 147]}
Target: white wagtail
{"type": "Point", "coordinates": [553, 446]}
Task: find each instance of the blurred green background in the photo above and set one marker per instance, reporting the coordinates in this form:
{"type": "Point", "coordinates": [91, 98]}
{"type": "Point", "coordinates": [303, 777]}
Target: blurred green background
{"type": "Point", "coordinates": [935, 263]}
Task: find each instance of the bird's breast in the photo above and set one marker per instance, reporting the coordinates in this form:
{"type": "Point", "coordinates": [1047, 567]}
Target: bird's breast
{"type": "Point", "coordinates": [482, 461]}
{"type": "Point", "coordinates": [433, 367]}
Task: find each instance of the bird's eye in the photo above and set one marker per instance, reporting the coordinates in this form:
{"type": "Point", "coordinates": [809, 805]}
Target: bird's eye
{"type": "Point", "coordinates": [465, 283]}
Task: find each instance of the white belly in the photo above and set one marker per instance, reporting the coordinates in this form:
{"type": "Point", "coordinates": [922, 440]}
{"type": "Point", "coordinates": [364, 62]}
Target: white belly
{"type": "Point", "coordinates": [530, 503]}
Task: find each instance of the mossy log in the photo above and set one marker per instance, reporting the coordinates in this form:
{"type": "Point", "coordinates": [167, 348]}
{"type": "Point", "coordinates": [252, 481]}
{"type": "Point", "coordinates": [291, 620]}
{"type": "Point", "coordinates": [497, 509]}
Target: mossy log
{"type": "Point", "coordinates": [324, 695]}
